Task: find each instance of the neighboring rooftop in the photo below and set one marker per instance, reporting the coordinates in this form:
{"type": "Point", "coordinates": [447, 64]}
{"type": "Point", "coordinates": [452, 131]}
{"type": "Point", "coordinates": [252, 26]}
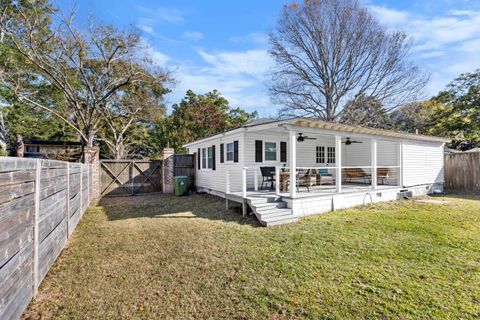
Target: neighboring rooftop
{"type": "Point", "coordinates": [52, 142]}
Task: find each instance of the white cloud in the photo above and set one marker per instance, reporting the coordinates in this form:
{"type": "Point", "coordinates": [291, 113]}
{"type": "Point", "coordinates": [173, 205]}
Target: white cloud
{"type": "Point", "coordinates": [157, 57]}
{"type": "Point", "coordinates": [147, 29]}
{"type": "Point", "coordinates": [162, 14]}
{"type": "Point", "coordinates": [389, 16]}
{"type": "Point", "coordinates": [193, 35]}
{"type": "Point", "coordinates": [251, 62]}
{"type": "Point", "coordinates": [257, 38]}
{"type": "Point", "coordinates": [446, 44]}
{"type": "Point", "coordinates": [237, 75]}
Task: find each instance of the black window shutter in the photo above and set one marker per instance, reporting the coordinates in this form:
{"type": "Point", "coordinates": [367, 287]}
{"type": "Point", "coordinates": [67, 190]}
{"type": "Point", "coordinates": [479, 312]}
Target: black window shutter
{"type": "Point", "coordinates": [199, 157]}
{"type": "Point", "coordinates": [222, 153]}
{"type": "Point", "coordinates": [213, 158]}
{"type": "Point", "coordinates": [258, 151]}
{"type": "Point", "coordinates": [283, 151]}
{"type": "Point", "coordinates": [235, 151]}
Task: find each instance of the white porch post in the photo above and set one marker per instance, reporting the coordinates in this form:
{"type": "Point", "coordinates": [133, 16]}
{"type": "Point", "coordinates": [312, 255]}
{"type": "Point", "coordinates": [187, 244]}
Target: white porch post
{"type": "Point", "coordinates": [292, 159]}
{"type": "Point", "coordinates": [338, 165]}
{"type": "Point", "coordinates": [277, 181]}
{"type": "Point", "coordinates": [244, 182]}
{"type": "Point", "coordinates": [374, 162]}
{"type": "Point", "coordinates": [400, 163]}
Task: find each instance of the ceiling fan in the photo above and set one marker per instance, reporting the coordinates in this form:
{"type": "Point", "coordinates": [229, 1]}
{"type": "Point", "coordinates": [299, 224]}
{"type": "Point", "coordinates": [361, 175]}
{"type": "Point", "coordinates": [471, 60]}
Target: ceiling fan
{"type": "Point", "coordinates": [349, 142]}
{"type": "Point", "coordinates": [302, 138]}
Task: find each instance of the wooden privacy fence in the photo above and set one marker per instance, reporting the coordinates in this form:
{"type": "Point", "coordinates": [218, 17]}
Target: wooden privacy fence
{"type": "Point", "coordinates": [462, 171]}
{"type": "Point", "coordinates": [124, 177]}
{"type": "Point", "coordinates": [184, 165]}
{"type": "Point", "coordinates": [41, 203]}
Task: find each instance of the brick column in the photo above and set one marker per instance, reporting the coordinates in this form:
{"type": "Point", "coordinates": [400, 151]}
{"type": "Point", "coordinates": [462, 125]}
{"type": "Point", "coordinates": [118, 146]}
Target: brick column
{"type": "Point", "coordinates": [20, 147]}
{"type": "Point", "coordinates": [167, 170]}
{"type": "Point", "coordinates": [91, 155]}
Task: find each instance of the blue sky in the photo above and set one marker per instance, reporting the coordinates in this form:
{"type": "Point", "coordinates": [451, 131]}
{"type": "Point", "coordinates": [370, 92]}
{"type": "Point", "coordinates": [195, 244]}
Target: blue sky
{"type": "Point", "coordinates": [223, 45]}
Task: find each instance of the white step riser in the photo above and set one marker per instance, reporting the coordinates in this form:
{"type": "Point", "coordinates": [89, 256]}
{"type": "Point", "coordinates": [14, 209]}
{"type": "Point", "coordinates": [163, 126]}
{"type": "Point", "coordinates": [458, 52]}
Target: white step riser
{"type": "Point", "coordinates": [275, 216]}
{"type": "Point", "coordinates": [280, 205]}
{"type": "Point", "coordinates": [271, 211]}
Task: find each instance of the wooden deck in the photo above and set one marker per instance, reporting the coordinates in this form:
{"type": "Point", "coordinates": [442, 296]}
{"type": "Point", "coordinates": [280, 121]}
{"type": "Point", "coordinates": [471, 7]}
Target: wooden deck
{"type": "Point", "coordinates": [315, 191]}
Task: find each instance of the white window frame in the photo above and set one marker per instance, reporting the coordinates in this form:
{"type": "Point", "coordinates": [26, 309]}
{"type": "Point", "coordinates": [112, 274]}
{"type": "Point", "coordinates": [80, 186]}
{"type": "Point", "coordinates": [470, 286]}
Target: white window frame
{"type": "Point", "coordinates": [232, 152]}
{"type": "Point", "coordinates": [331, 155]}
{"type": "Point", "coordinates": [320, 154]}
{"type": "Point", "coordinates": [265, 151]}
{"type": "Point", "coordinates": [206, 164]}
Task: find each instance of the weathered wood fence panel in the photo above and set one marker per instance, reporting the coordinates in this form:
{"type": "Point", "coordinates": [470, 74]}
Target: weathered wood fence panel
{"type": "Point", "coordinates": [462, 171]}
{"type": "Point", "coordinates": [130, 177]}
{"type": "Point", "coordinates": [184, 165]}
{"type": "Point", "coordinates": [41, 202]}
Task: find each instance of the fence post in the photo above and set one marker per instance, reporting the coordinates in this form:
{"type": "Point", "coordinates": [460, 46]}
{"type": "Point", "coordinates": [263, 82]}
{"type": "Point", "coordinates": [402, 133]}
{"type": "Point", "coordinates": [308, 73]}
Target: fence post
{"type": "Point", "coordinates": [36, 217]}
{"type": "Point", "coordinates": [80, 192]}
{"type": "Point", "coordinates": [88, 185]}
{"type": "Point", "coordinates": [92, 157]}
{"type": "Point", "coordinates": [68, 200]}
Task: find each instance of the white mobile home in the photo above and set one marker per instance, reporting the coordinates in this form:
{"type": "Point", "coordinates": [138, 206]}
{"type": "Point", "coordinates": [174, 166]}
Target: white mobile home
{"type": "Point", "coordinates": [333, 166]}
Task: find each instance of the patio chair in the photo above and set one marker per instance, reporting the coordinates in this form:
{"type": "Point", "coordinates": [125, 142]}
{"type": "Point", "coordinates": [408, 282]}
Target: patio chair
{"type": "Point", "coordinates": [324, 177]}
{"type": "Point", "coordinates": [307, 179]}
{"type": "Point", "coordinates": [356, 173]}
{"type": "Point", "coordinates": [383, 175]}
{"type": "Point", "coordinates": [268, 176]}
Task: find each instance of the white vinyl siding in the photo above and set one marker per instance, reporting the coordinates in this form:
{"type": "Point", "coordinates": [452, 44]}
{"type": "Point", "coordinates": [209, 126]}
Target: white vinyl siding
{"type": "Point", "coordinates": [215, 179]}
{"type": "Point", "coordinates": [422, 163]}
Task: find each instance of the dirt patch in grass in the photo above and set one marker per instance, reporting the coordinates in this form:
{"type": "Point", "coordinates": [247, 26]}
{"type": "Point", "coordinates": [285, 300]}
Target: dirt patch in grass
{"type": "Point", "coordinates": [165, 257]}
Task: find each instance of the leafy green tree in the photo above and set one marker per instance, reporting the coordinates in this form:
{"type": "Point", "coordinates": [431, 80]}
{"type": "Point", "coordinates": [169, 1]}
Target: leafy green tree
{"type": "Point", "coordinates": [33, 123]}
{"type": "Point", "coordinates": [416, 117]}
{"type": "Point", "coordinates": [198, 116]}
{"type": "Point", "coordinates": [458, 113]}
{"type": "Point", "coordinates": [365, 111]}
{"type": "Point", "coordinates": [86, 66]}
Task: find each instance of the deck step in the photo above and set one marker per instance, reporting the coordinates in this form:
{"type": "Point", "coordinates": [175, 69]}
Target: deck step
{"type": "Point", "coordinates": [271, 210]}
{"type": "Point", "coordinates": [270, 205]}
{"type": "Point", "coordinates": [276, 214]}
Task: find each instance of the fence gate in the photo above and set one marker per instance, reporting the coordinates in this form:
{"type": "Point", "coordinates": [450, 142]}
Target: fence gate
{"type": "Point", "coordinates": [184, 165]}
{"type": "Point", "coordinates": [130, 177]}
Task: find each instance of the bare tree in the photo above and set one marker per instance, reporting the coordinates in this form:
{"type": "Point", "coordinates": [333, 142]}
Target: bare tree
{"type": "Point", "coordinates": [123, 112]}
{"type": "Point", "coordinates": [87, 66]}
{"type": "Point", "coordinates": [328, 52]}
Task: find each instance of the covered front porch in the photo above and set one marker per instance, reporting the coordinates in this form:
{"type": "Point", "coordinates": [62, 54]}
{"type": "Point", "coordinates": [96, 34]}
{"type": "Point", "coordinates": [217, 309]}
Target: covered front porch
{"type": "Point", "coordinates": [323, 162]}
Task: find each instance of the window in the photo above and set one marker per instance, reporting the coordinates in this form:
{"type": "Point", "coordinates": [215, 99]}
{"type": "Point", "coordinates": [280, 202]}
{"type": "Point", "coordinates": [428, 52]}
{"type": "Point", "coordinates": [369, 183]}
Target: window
{"type": "Point", "coordinates": [207, 158]}
{"type": "Point", "coordinates": [320, 154]}
{"type": "Point", "coordinates": [230, 151]}
{"type": "Point", "coordinates": [204, 158]}
{"type": "Point", "coordinates": [33, 149]}
{"type": "Point", "coordinates": [331, 155]}
{"type": "Point", "coordinates": [270, 151]}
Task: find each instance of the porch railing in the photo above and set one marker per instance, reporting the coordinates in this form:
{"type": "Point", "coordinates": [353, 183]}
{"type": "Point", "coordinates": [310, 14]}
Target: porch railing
{"type": "Point", "coordinates": [313, 178]}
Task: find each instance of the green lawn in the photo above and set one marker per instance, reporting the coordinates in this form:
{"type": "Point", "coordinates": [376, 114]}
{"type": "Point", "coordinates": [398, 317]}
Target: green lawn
{"type": "Point", "coordinates": [164, 257]}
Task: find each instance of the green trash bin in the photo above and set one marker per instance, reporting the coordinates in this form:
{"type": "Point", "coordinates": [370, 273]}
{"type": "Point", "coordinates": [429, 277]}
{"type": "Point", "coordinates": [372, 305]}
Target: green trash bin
{"type": "Point", "coordinates": [180, 185]}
